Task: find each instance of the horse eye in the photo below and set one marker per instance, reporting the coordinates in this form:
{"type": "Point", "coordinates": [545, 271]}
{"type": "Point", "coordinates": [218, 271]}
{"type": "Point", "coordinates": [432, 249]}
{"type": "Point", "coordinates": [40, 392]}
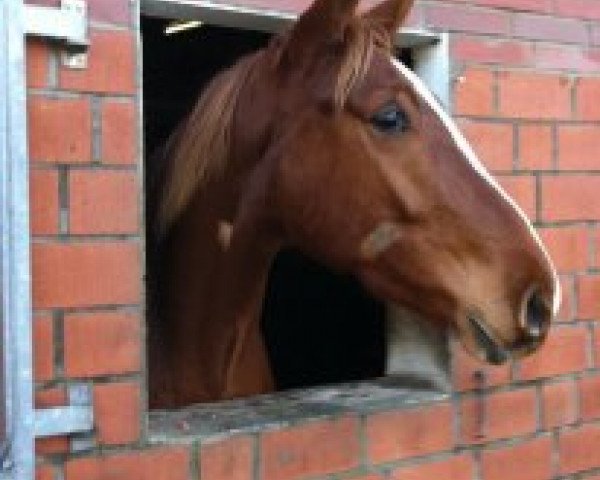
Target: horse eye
{"type": "Point", "coordinates": [391, 119]}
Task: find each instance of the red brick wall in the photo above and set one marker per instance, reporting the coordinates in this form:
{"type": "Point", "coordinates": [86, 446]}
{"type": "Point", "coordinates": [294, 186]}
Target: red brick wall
{"type": "Point", "coordinates": [86, 229]}
{"type": "Point", "coordinates": [527, 93]}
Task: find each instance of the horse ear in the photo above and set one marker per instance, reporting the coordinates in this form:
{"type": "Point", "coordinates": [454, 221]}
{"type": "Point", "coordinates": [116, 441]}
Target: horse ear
{"type": "Point", "coordinates": [324, 19]}
{"type": "Point", "coordinates": [390, 14]}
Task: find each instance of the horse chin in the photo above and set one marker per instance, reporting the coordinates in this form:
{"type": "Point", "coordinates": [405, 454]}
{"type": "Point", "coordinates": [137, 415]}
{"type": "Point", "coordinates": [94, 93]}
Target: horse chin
{"type": "Point", "coordinates": [482, 343]}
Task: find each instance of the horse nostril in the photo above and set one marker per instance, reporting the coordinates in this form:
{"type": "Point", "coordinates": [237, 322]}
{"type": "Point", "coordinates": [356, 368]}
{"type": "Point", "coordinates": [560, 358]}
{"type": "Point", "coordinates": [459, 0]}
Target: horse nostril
{"type": "Point", "coordinates": [537, 315]}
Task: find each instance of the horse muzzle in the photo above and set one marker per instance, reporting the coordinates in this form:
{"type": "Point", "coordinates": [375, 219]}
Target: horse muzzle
{"type": "Point", "coordinates": [488, 345]}
{"type": "Point", "coordinates": [535, 317]}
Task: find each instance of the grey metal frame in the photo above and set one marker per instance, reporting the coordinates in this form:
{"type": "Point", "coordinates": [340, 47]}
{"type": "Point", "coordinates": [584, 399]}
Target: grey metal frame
{"type": "Point", "coordinates": [15, 280]}
{"type": "Point", "coordinates": [19, 422]}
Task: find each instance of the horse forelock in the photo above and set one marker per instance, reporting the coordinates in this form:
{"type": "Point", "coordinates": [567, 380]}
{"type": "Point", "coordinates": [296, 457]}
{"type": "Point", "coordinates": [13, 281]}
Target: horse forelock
{"type": "Point", "coordinates": [360, 40]}
{"type": "Point", "coordinates": [471, 157]}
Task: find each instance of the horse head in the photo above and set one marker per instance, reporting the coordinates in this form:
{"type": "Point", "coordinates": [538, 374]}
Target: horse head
{"type": "Point", "coordinates": [366, 172]}
{"type": "Point", "coordinates": [325, 142]}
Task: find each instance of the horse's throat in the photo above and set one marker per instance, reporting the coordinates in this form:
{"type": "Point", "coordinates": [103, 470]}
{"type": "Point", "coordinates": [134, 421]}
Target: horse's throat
{"type": "Point", "coordinates": [212, 285]}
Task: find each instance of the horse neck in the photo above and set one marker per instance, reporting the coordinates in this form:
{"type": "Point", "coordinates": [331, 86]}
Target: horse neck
{"type": "Point", "coordinates": [210, 347]}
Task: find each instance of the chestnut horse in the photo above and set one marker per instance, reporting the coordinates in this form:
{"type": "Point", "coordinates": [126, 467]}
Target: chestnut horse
{"type": "Point", "coordinates": [324, 142]}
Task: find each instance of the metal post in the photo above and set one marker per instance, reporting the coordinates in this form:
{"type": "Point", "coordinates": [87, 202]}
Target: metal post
{"type": "Point", "coordinates": [15, 278]}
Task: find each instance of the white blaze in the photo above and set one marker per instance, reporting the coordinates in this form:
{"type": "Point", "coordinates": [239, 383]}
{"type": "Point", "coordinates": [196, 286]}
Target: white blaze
{"type": "Point", "coordinates": [474, 161]}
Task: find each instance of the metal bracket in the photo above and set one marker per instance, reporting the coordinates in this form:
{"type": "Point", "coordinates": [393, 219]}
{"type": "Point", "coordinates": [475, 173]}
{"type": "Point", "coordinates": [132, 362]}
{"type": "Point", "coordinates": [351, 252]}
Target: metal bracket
{"type": "Point", "coordinates": [51, 422]}
{"type": "Point", "coordinates": [67, 25]}
{"type": "Point", "coordinates": [77, 418]}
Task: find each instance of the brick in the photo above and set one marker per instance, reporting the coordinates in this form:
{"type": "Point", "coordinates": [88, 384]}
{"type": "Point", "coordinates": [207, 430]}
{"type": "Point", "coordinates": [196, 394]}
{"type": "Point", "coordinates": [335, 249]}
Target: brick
{"type": "Point", "coordinates": [559, 402]}
{"type": "Point", "coordinates": [117, 412]}
{"type": "Point", "coordinates": [595, 35]}
{"type": "Point", "coordinates": [37, 63]}
{"type": "Point", "coordinates": [566, 57]}
{"type": "Point", "coordinates": [313, 449]}
{"type": "Point", "coordinates": [534, 96]}
{"type": "Point", "coordinates": [119, 127]}
{"type": "Point", "coordinates": [415, 17]}
{"type": "Point", "coordinates": [59, 129]}
{"type": "Point", "coordinates": [44, 472]}
{"type": "Point", "coordinates": [588, 297]}
{"type": "Point", "coordinates": [592, 58]}
{"type": "Point", "coordinates": [578, 147]}
{"type": "Point", "coordinates": [505, 415]}
{"type": "Point", "coordinates": [85, 274]}
{"type": "Point", "coordinates": [530, 460]}
{"type": "Point", "coordinates": [564, 351]}
{"type": "Point", "coordinates": [48, 398]}
{"type": "Point", "coordinates": [493, 143]}
{"type": "Point", "coordinates": [519, 5]}
{"type": "Point", "coordinates": [43, 348]}
{"type": "Point", "coordinates": [232, 458]}
{"type": "Point", "coordinates": [589, 391]}
{"type": "Point", "coordinates": [587, 106]}
{"type": "Point", "coordinates": [493, 51]}
{"type": "Point", "coordinates": [596, 247]}
{"type": "Point", "coordinates": [523, 190]}
{"type": "Point", "coordinates": [578, 8]}
{"type": "Point", "coordinates": [295, 5]}
{"type": "Point", "coordinates": [542, 27]}
{"type": "Point", "coordinates": [103, 202]}
{"type": "Point", "coordinates": [466, 369]}
{"type": "Point", "coordinates": [111, 65]}
{"type": "Point", "coordinates": [115, 348]}
{"type": "Point", "coordinates": [110, 11]}
{"type": "Point", "coordinates": [578, 449]}
{"type": "Point", "coordinates": [373, 476]}
{"type": "Point", "coordinates": [570, 198]}
{"type": "Point", "coordinates": [459, 467]}
{"type": "Point", "coordinates": [409, 433]}
{"type": "Point", "coordinates": [596, 347]}
{"type": "Point", "coordinates": [473, 93]}
{"type": "Point", "coordinates": [168, 463]}
{"type": "Point", "coordinates": [535, 147]}
{"type": "Point", "coordinates": [568, 247]}
{"type": "Point", "coordinates": [467, 19]}
{"type": "Point", "coordinates": [43, 194]}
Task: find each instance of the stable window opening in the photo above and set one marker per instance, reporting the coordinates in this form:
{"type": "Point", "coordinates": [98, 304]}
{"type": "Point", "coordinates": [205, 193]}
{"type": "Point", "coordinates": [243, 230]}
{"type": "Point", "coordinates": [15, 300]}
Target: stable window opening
{"type": "Point", "coordinates": [320, 328]}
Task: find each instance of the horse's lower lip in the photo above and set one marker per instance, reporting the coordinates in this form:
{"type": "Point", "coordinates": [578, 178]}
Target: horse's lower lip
{"type": "Point", "coordinates": [494, 353]}
{"type": "Point", "coordinates": [527, 346]}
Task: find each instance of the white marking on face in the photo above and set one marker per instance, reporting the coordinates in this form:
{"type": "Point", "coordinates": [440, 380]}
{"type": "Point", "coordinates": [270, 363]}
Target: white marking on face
{"type": "Point", "coordinates": [224, 233]}
{"type": "Point", "coordinates": [379, 240]}
{"type": "Point", "coordinates": [460, 141]}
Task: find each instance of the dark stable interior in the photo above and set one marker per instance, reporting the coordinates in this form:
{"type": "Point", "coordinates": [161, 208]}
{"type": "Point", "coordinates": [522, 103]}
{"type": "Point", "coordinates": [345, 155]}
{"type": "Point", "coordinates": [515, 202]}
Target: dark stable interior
{"type": "Point", "coordinates": [319, 327]}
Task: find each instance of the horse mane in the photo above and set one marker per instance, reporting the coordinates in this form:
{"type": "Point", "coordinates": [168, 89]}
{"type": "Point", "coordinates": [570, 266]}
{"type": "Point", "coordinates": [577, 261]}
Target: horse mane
{"type": "Point", "coordinates": [199, 149]}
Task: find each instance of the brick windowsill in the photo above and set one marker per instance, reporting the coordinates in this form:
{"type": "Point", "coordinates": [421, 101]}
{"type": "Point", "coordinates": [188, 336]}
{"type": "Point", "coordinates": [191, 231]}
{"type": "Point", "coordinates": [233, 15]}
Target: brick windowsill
{"type": "Point", "coordinates": [283, 409]}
